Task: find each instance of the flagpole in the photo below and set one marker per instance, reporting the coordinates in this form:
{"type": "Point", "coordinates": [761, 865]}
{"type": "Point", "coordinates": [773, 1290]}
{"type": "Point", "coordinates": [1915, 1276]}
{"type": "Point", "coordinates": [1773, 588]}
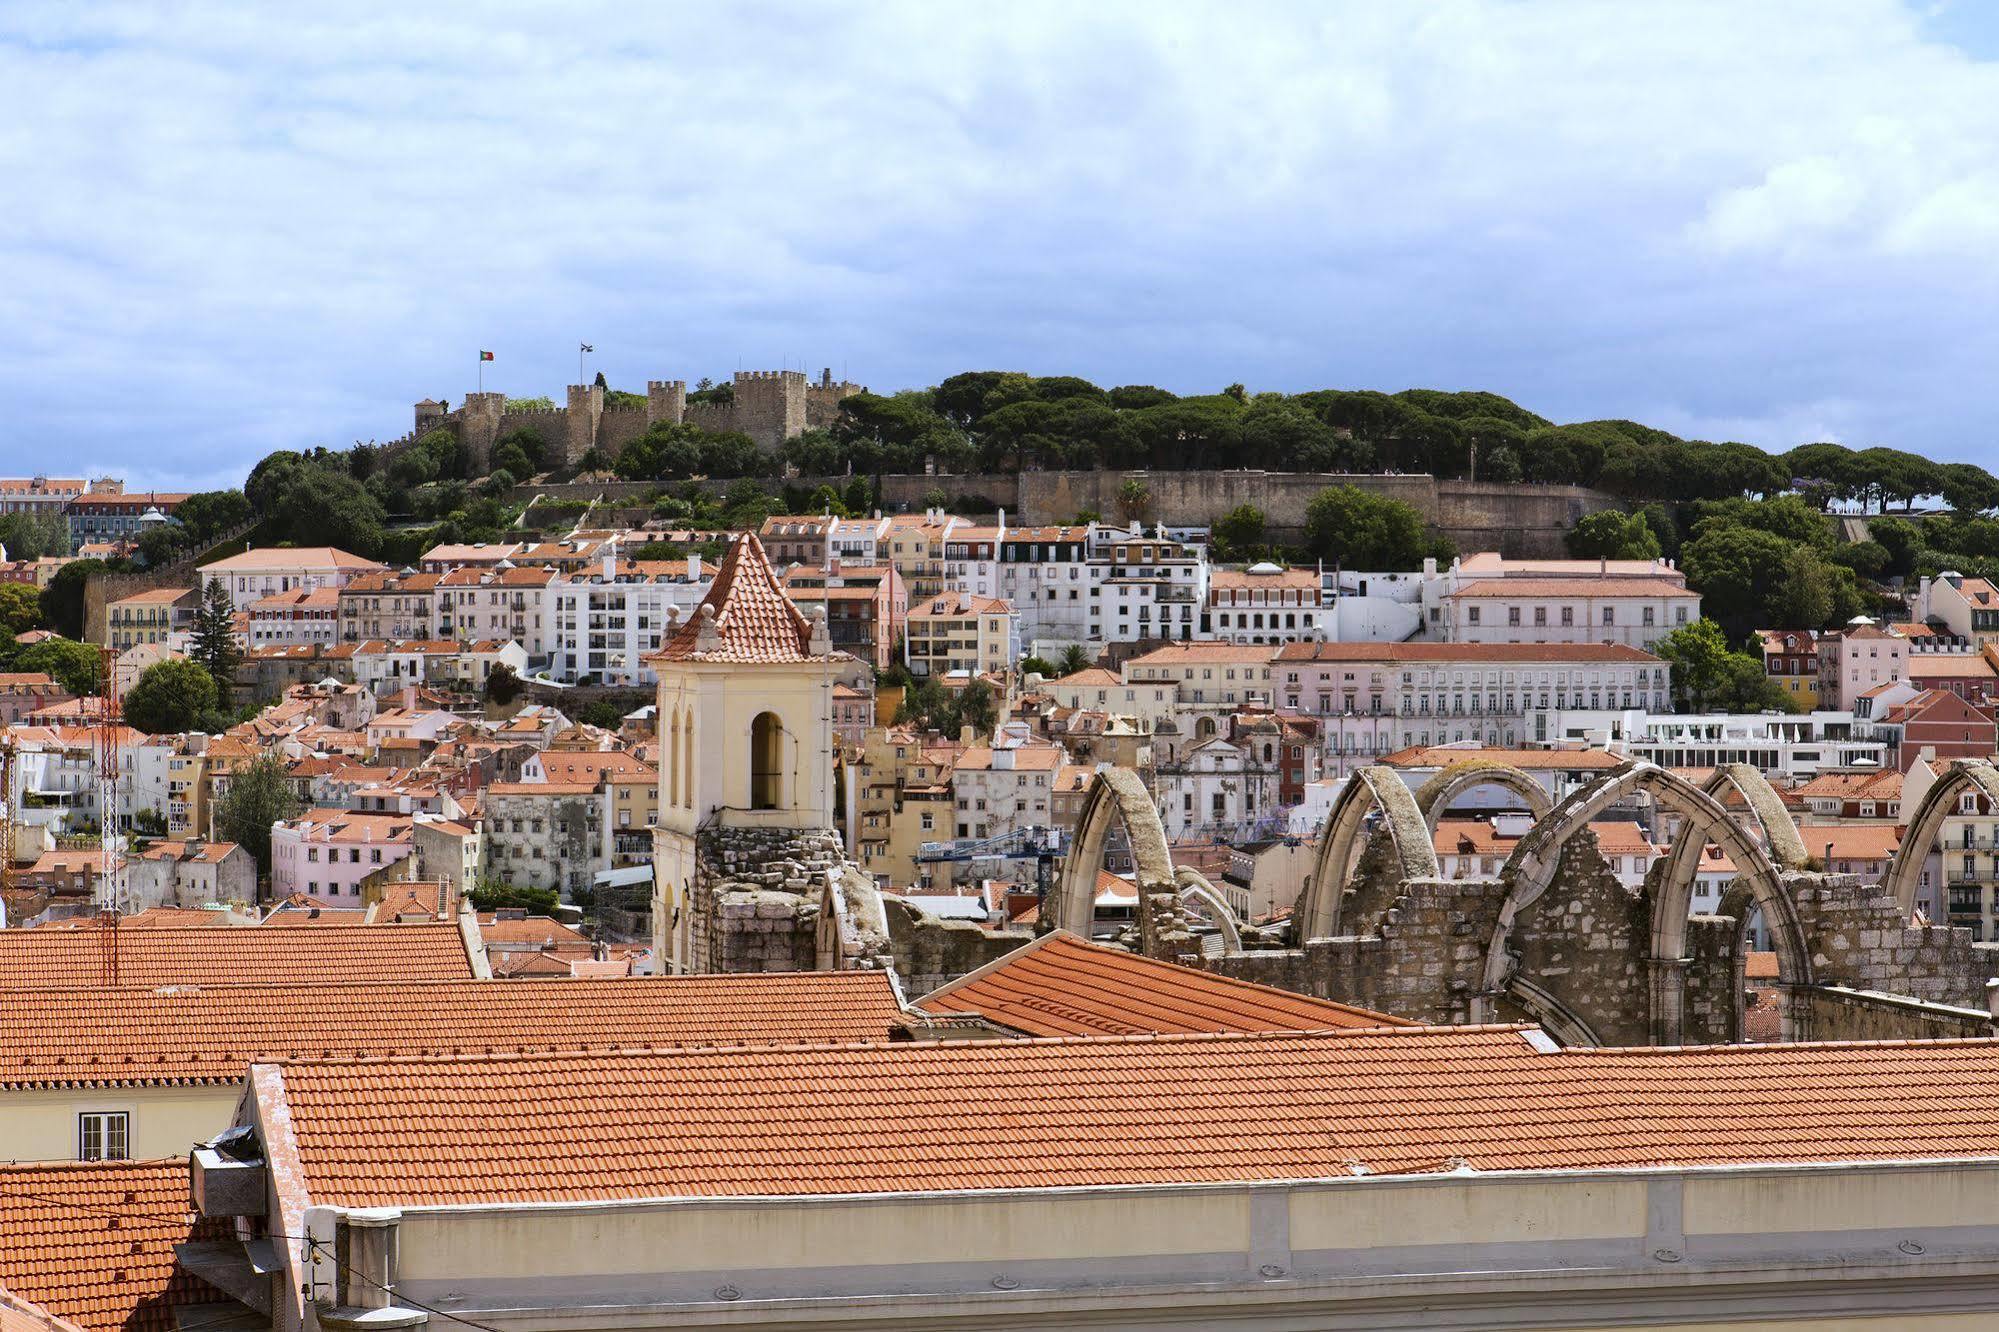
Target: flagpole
{"type": "Point", "coordinates": [482, 371]}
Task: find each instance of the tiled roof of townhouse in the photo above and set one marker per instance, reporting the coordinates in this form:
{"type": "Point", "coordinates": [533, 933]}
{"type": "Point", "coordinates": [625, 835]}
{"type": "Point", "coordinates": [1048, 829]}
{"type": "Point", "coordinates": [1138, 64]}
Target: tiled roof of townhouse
{"type": "Point", "coordinates": [1491, 564]}
{"type": "Point", "coordinates": [1882, 785]}
{"type": "Point", "coordinates": [1108, 1111]}
{"type": "Point", "coordinates": [1063, 985]}
{"type": "Point", "coordinates": [1445, 653]}
{"type": "Point", "coordinates": [1031, 757]}
{"type": "Point", "coordinates": [1092, 677]}
{"type": "Point", "coordinates": [1574, 587]}
{"type": "Point", "coordinates": [1852, 841]}
{"type": "Point", "coordinates": [1477, 837]}
{"type": "Point", "coordinates": [569, 765]}
{"type": "Point", "coordinates": [477, 552]}
{"type": "Point", "coordinates": [188, 1034]}
{"type": "Point", "coordinates": [1229, 580]}
{"type": "Point", "coordinates": [1528, 760]}
{"type": "Point", "coordinates": [192, 955]}
{"type": "Point", "coordinates": [92, 1243]}
{"type": "Point", "coordinates": [154, 596]}
{"type": "Point", "coordinates": [1206, 653]}
{"type": "Point", "coordinates": [745, 619]}
{"type": "Point", "coordinates": [1948, 665]}
{"type": "Point", "coordinates": [261, 558]}
{"type": "Point", "coordinates": [958, 604]}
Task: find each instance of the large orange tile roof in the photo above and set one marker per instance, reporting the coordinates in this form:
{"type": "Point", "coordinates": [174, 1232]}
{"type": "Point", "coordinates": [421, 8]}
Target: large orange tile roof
{"type": "Point", "coordinates": [1574, 587]}
{"type": "Point", "coordinates": [175, 1035]}
{"type": "Point", "coordinates": [1442, 653]}
{"type": "Point", "coordinates": [103, 1256]}
{"type": "Point", "coordinates": [197, 955]}
{"type": "Point", "coordinates": [1443, 756]}
{"type": "Point", "coordinates": [1062, 985]}
{"type": "Point", "coordinates": [1108, 1111]}
{"type": "Point", "coordinates": [753, 620]}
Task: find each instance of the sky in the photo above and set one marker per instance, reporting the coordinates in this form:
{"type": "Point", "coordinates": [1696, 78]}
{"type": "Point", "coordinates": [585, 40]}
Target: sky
{"type": "Point", "coordinates": [234, 228]}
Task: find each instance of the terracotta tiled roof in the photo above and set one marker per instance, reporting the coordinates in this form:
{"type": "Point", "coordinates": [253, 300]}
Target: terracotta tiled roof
{"type": "Point", "coordinates": [290, 557]}
{"type": "Point", "coordinates": [1136, 1110]}
{"type": "Point", "coordinates": [753, 620]}
{"type": "Point", "coordinates": [1574, 587]}
{"type": "Point", "coordinates": [1466, 652]}
{"type": "Point", "coordinates": [194, 955]}
{"type": "Point", "coordinates": [204, 1034]}
{"type": "Point", "coordinates": [1094, 677]}
{"type": "Point", "coordinates": [1528, 759]}
{"type": "Point", "coordinates": [1852, 841]}
{"type": "Point", "coordinates": [1475, 837]}
{"type": "Point", "coordinates": [1948, 665]}
{"type": "Point", "coordinates": [1195, 654]}
{"type": "Point", "coordinates": [1062, 985]}
{"type": "Point", "coordinates": [104, 1261]}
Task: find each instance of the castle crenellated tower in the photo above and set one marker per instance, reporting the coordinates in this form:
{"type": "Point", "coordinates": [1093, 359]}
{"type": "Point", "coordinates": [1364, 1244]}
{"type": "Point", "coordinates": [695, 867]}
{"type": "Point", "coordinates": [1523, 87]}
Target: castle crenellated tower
{"type": "Point", "coordinates": [770, 406]}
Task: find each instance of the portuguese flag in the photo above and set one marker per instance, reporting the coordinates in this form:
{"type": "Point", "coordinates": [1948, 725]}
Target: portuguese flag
{"type": "Point", "coordinates": [485, 356]}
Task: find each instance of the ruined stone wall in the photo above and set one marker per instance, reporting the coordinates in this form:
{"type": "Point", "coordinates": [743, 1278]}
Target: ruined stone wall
{"type": "Point", "coordinates": [822, 401]}
{"type": "Point", "coordinates": [1841, 1014]}
{"type": "Point", "coordinates": [1584, 942]}
{"type": "Point", "coordinates": [931, 953]}
{"type": "Point", "coordinates": [756, 905]}
{"type": "Point", "coordinates": [1713, 981]}
{"type": "Point", "coordinates": [1858, 938]}
{"type": "Point", "coordinates": [770, 405]}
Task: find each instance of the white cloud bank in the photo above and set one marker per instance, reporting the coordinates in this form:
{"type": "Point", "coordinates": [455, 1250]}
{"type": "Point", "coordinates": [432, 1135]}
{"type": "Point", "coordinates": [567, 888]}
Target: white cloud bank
{"type": "Point", "coordinates": [232, 228]}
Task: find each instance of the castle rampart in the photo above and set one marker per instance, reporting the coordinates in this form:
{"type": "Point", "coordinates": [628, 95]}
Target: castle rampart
{"type": "Point", "coordinates": [770, 406]}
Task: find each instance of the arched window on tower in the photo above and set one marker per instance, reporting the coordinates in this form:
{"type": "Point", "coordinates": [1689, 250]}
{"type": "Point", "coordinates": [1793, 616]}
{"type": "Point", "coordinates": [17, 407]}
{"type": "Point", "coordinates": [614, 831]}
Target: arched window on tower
{"type": "Point", "coordinates": [766, 761]}
{"type": "Point", "coordinates": [673, 762]}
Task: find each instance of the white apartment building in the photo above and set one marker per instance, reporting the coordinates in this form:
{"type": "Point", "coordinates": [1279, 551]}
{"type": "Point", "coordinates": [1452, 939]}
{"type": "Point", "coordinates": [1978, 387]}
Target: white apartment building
{"type": "Point", "coordinates": [858, 540]}
{"type": "Point", "coordinates": [1636, 612]}
{"type": "Point", "coordinates": [298, 618]}
{"type": "Point", "coordinates": [256, 574]}
{"type": "Point", "coordinates": [606, 617]}
{"type": "Point", "coordinates": [1779, 745]}
{"type": "Point", "coordinates": [1047, 573]}
{"type": "Point", "coordinates": [970, 561]}
{"type": "Point", "coordinates": [326, 853]}
{"type": "Point", "coordinates": [1003, 786]}
{"type": "Point", "coordinates": [501, 602]}
{"type": "Point", "coordinates": [1383, 697]}
{"type": "Point", "coordinates": [1148, 588]}
{"type": "Point", "coordinates": [1267, 603]}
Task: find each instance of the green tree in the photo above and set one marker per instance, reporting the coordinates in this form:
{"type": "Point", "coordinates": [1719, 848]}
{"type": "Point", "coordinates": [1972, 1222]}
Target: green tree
{"type": "Point", "coordinates": [1735, 570]}
{"type": "Point", "coordinates": [1710, 677]}
{"type": "Point", "coordinates": [20, 607]}
{"type": "Point", "coordinates": [170, 697]}
{"type": "Point", "coordinates": [1901, 539]}
{"type": "Point", "coordinates": [1074, 659]}
{"type": "Point", "coordinates": [1134, 501]}
{"type": "Point", "coordinates": [599, 713]}
{"type": "Point", "coordinates": [62, 599]}
{"type": "Point", "coordinates": [503, 686]}
{"type": "Point", "coordinates": [214, 639]}
{"type": "Point", "coordinates": [977, 708]}
{"type": "Point", "coordinates": [31, 536]}
{"type": "Point", "coordinates": [1611, 535]}
{"type": "Point", "coordinates": [1239, 533]}
{"type": "Point", "coordinates": [260, 794]}
{"type": "Point", "coordinates": [72, 665]}
{"type": "Point", "coordinates": [210, 513]}
{"type": "Point", "coordinates": [1349, 527]}
{"type": "Point", "coordinates": [496, 895]}
{"type": "Point", "coordinates": [1040, 666]}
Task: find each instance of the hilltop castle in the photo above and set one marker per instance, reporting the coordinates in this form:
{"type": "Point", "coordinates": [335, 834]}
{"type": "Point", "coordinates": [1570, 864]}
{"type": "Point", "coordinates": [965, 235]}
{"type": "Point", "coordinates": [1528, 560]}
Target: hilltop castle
{"type": "Point", "coordinates": [770, 406]}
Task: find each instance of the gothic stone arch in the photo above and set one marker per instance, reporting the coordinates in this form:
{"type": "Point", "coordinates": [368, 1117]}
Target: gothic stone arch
{"type": "Point", "coordinates": [1437, 795]}
{"type": "Point", "coordinates": [1117, 795]}
{"type": "Point", "coordinates": [1370, 788]}
{"type": "Point", "coordinates": [1194, 887]}
{"type": "Point", "coordinates": [1926, 823]}
{"type": "Point", "coordinates": [1530, 869]}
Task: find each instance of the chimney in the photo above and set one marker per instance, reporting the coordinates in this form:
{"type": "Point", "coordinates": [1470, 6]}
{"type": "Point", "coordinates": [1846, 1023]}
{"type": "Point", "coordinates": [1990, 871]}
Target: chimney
{"type": "Point", "coordinates": [693, 568]}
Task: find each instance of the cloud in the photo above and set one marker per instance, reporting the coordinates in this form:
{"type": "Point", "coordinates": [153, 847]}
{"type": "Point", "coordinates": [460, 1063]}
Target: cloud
{"type": "Point", "coordinates": [234, 230]}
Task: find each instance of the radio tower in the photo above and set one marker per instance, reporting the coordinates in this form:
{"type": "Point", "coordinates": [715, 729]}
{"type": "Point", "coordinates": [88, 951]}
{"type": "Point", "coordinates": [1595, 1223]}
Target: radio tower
{"type": "Point", "coordinates": [109, 737]}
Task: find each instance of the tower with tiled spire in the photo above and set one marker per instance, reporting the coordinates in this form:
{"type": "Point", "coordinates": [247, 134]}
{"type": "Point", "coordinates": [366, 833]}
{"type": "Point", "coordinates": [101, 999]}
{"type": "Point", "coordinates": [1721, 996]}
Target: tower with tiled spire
{"type": "Point", "coordinates": [745, 772]}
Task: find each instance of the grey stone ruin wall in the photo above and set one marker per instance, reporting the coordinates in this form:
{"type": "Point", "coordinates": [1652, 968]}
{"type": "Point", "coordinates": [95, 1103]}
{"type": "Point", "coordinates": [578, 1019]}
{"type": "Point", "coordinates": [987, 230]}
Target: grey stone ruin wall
{"type": "Point", "coordinates": [756, 904]}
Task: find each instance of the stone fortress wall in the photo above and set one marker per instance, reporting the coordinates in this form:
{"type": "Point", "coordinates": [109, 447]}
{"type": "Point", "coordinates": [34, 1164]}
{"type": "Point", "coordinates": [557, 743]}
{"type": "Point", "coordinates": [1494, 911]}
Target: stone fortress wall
{"type": "Point", "coordinates": [770, 406]}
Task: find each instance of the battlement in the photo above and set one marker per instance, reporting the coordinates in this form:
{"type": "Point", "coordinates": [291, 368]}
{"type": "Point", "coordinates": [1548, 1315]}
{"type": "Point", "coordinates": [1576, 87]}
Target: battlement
{"type": "Point", "coordinates": [770, 406]}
